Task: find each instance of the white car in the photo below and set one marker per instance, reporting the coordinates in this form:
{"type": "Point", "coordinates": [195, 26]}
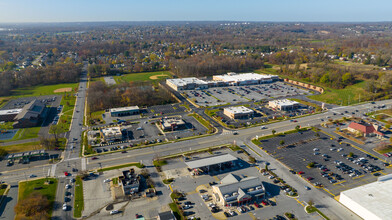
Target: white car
{"type": "Point", "coordinates": [65, 207]}
{"type": "Point", "coordinates": [107, 180]}
{"type": "Point", "coordinates": [263, 127]}
{"type": "Point", "coordinates": [315, 149]}
{"type": "Point", "coordinates": [67, 186]}
{"type": "Point", "coordinates": [114, 212]}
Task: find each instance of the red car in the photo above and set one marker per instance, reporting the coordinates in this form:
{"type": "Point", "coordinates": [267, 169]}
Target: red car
{"type": "Point", "coordinates": [257, 205]}
{"type": "Point", "coordinates": [94, 158]}
{"type": "Point", "coordinates": [387, 155]}
{"type": "Point", "coordinates": [301, 172]}
{"type": "Point", "coordinates": [66, 173]}
{"type": "Point", "coordinates": [265, 203]}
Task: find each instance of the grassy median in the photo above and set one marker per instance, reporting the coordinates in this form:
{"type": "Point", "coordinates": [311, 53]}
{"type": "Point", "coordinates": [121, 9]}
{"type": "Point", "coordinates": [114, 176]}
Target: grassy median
{"type": "Point", "coordinates": [79, 200]}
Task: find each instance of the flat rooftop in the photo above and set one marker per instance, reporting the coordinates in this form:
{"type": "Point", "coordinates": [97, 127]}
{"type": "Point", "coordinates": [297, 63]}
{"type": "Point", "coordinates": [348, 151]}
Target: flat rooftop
{"type": "Point", "coordinates": [123, 109]}
{"type": "Point", "coordinates": [284, 102]}
{"type": "Point", "coordinates": [244, 77]}
{"type": "Point", "coordinates": [208, 161]}
{"type": "Point", "coordinates": [10, 111]}
{"type": "Point", "coordinates": [239, 110]}
{"type": "Point", "coordinates": [186, 81]}
{"type": "Point", "coordinates": [374, 197]}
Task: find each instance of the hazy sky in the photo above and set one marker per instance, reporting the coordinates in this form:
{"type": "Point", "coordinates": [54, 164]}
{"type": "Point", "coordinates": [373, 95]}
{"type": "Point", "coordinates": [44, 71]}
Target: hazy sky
{"type": "Point", "coordinates": [191, 10]}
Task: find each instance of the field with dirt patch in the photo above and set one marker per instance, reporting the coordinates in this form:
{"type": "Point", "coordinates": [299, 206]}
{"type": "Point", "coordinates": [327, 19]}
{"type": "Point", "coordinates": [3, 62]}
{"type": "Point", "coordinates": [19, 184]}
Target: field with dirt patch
{"type": "Point", "coordinates": [69, 89]}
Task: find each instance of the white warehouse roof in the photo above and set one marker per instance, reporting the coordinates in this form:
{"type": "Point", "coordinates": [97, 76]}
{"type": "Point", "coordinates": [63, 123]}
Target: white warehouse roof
{"type": "Point", "coordinates": [186, 81]}
{"type": "Point", "coordinates": [10, 111]}
{"type": "Point", "coordinates": [284, 102]}
{"type": "Point", "coordinates": [233, 77]}
{"type": "Point", "coordinates": [239, 110]}
{"type": "Point", "coordinates": [371, 201]}
{"type": "Point", "coordinates": [121, 109]}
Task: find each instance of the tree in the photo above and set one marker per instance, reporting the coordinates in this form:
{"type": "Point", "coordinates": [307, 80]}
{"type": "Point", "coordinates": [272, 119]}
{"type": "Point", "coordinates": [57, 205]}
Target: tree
{"type": "Point", "coordinates": [34, 206]}
{"type": "Point", "coordinates": [3, 152]}
{"type": "Point", "coordinates": [298, 128]}
{"type": "Point", "coordinates": [317, 134]}
{"type": "Point", "coordinates": [281, 142]}
{"type": "Point", "coordinates": [310, 202]}
{"type": "Point", "coordinates": [325, 78]}
{"type": "Point", "coordinates": [351, 154]}
{"type": "Point", "coordinates": [347, 78]}
{"type": "Point", "coordinates": [56, 130]}
{"type": "Point", "coordinates": [273, 132]}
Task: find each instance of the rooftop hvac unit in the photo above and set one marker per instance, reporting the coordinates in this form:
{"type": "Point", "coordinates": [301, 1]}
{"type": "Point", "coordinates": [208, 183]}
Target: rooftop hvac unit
{"type": "Point", "coordinates": [235, 194]}
{"type": "Point", "coordinates": [251, 189]}
{"type": "Point", "coordinates": [227, 195]}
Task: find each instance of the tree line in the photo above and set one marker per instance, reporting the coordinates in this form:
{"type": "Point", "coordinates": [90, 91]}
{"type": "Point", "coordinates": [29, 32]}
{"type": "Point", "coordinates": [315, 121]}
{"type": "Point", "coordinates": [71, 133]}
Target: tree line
{"type": "Point", "coordinates": [58, 73]}
{"type": "Point", "coordinates": [101, 96]}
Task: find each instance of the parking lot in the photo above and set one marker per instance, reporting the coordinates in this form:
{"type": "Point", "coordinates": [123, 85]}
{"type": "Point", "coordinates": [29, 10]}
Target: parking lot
{"type": "Point", "coordinates": [146, 131]}
{"type": "Point", "coordinates": [239, 94]}
{"type": "Point", "coordinates": [337, 165]}
{"type": "Point", "coordinates": [195, 187]}
{"type": "Point", "coordinates": [262, 113]}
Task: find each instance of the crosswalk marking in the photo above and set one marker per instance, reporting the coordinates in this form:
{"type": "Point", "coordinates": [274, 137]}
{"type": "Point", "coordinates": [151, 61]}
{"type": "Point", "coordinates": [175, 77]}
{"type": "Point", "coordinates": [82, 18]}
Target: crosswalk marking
{"type": "Point", "coordinates": [84, 167]}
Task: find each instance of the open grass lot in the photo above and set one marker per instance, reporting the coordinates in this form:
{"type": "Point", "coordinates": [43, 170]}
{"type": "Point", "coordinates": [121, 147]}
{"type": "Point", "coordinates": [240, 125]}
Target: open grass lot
{"type": "Point", "coordinates": [347, 96]}
{"type": "Point", "coordinates": [79, 200]}
{"type": "Point", "coordinates": [28, 187]}
{"type": "Point", "coordinates": [66, 115]}
{"type": "Point", "coordinates": [3, 187]}
{"type": "Point", "coordinates": [22, 147]}
{"type": "Point", "coordinates": [25, 133]}
{"type": "Point", "coordinates": [146, 76]}
{"type": "Point", "coordinates": [95, 116]}
{"type": "Point", "coordinates": [121, 166]}
{"type": "Point", "coordinates": [41, 90]}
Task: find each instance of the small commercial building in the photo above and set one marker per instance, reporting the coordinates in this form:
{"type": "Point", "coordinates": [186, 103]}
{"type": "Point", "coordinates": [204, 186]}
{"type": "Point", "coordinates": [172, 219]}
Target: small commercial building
{"type": "Point", "coordinates": [130, 182]}
{"type": "Point", "coordinates": [111, 134]}
{"type": "Point", "coordinates": [365, 129]}
{"type": "Point", "coordinates": [234, 190]}
{"type": "Point", "coordinates": [168, 215]}
{"type": "Point", "coordinates": [283, 104]}
{"type": "Point", "coordinates": [372, 201]}
{"type": "Point", "coordinates": [172, 124]}
{"type": "Point", "coordinates": [215, 162]}
{"type": "Point", "coordinates": [9, 114]}
{"type": "Point", "coordinates": [124, 111]}
{"type": "Point", "coordinates": [30, 115]}
{"type": "Point", "coordinates": [238, 112]}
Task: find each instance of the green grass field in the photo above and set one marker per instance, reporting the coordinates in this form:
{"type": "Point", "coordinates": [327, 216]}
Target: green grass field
{"type": "Point", "coordinates": [146, 76]}
{"type": "Point", "coordinates": [25, 133]}
{"type": "Point", "coordinates": [79, 200]}
{"type": "Point", "coordinates": [66, 117]}
{"type": "Point", "coordinates": [347, 96]}
{"type": "Point", "coordinates": [121, 166]}
{"type": "Point", "coordinates": [26, 188]}
{"type": "Point", "coordinates": [41, 90]}
{"type": "Point", "coordinates": [22, 147]}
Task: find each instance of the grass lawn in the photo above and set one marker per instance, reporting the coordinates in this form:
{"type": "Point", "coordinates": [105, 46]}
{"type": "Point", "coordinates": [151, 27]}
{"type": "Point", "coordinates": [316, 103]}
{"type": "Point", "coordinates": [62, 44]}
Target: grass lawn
{"type": "Point", "coordinates": [3, 187]}
{"type": "Point", "coordinates": [41, 90]}
{"type": "Point", "coordinates": [202, 121]}
{"type": "Point", "coordinates": [115, 181]}
{"type": "Point", "coordinates": [235, 148]}
{"type": "Point", "coordinates": [146, 76]}
{"type": "Point", "coordinates": [22, 147]}
{"type": "Point", "coordinates": [68, 108]}
{"type": "Point", "coordinates": [176, 211]}
{"type": "Point", "coordinates": [159, 163]}
{"type": "Point", "coordinates": [349, 95]}
{"type": "Point", "coordinates": [121, 166]}
{"type": "Point", "coordinates": [26, 188]}
{"type": "Point", "coordinates": [25, 133]}
{"type": "Point", "coordinates": [79, 200]}
{"type": "Point", "coordinates": [311, 209]}
{"type": "Point", "coordinates": [96, 115]}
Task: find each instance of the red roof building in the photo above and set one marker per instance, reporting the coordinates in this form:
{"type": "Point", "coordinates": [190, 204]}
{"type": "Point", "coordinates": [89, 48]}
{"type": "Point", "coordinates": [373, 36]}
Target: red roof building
{"type": "Point", "coordinates": [365, 129]}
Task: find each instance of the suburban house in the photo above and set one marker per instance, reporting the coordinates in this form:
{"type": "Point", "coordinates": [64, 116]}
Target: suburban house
{"type": "Point", "coordinates": [365, 129]}
{"type": "Point", "coordinates": [30, 115]}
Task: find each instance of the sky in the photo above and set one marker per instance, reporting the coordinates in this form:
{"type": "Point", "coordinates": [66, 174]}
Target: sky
{"type": "Point", "coordinates": [12, 11]}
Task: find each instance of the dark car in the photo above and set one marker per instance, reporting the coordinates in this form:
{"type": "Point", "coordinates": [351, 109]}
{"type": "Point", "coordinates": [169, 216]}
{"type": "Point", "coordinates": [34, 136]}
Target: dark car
{"type": "Point", "coordinates": [94, 158]}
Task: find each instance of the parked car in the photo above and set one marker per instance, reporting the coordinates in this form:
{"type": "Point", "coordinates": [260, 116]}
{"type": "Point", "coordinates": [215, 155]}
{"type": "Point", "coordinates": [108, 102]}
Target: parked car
{"type": "Point", "coordinates": [114, 212]}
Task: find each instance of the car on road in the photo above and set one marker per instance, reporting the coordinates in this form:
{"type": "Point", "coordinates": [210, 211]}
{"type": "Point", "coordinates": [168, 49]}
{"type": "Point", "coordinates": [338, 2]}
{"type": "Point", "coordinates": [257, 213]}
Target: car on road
{"type": "Point", "coordinates": [67, 186]}
{"type": "Point", "coordinates": [307, 187]}
{"type": "Point", "coordinates": [124, 151]}
{"type": "Point", "coordinates": [235, 133]}
{"type": "Point", "coordinates": [113, 212]}
{"type": "Point", "coordinates": [66, 173]}
{"type": "Point", "coordinates": [94, 158]}
{"type": "Point", "coordinates": [74, 170]}
{"type": "Point", "coordinates": [263, 127]}
{"type": "Point", "coordinates": [32, 176]}
{"type": "Point", "coordinates": [301, 172]}
{"type": "Point", "coordinates": [65, 207]}
{"type": "Point", "coordinates": [107, 180]}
